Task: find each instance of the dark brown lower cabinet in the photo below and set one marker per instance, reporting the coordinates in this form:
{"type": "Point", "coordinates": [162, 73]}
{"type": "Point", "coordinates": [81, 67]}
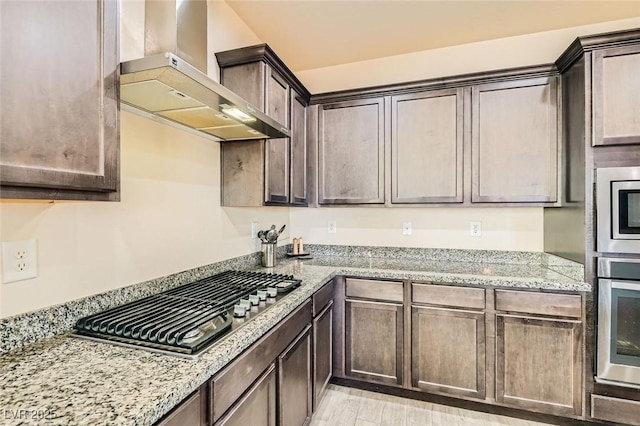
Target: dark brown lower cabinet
{"type": "Point", "coordinates": [190, 412]}
{"type": "Point", "coordinates": [374, 341]}
{"type": "Point", "coordinates": [294, 382]}
{"type": "Point", "coordinates": [619, 411]}
{"type": "Point", "coordinates": [322, 352]}
{"type": "Point", "coordinates": [448, 351]}
{"type": "Point", "coordinates": [288, 347]}
{"type": "Point", "coordinates": [539, 364]}
{"type": "Point", "coordinates": [514, 348]}
{"type": "Point", "coordinates": [258, 406]}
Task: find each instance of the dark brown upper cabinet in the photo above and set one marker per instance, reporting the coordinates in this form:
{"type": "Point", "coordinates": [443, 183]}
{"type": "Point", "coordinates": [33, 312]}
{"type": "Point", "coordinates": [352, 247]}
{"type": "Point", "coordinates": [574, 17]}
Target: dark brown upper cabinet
{"type": "Point", "coordinates": [485, 138]}
{"type": "Point", "coordinates": [59, 111]}
{"type": "Point", "coordinates": [351, 145]}
{"type": "Point", "coordinates": [426, 147]}
{"type": "Point", "coordinates": [514, 141]}
{"type": "Point", "coordinates": [265, 172]}
{"type": "Point", "coordinates": [616, 96]}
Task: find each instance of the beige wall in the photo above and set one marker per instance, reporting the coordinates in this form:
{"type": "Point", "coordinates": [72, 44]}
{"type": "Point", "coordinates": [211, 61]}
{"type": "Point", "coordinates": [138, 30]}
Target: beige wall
{"type": "Point", "coordinates": [169, 218]}
{"type": "Point", "coordinates": [531, 49]}
{"type": "Point", "coordinates": [502, 228]}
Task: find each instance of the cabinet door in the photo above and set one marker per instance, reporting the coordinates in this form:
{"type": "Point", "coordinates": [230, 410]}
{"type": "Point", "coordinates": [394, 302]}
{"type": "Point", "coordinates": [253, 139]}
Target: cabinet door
{"type": "Point", "coordinates": [277, 171]}
{"type": "Point", "coordinates": [373, 341]}
{"type": "Point", "coordinates": [351, 152]}
{"type": "Point", "coordinates": [448, 351]}
{"type": "Point", "coordinates": [59, 105]}
{"type": "Point", "coordinates": [294, 388]}
{"type": "Point", "coordinates": [277, 150]}
{"type": "Point", "coordinates": [539, 364]}
{"type": "Point", "coordinates": [258, 406]}
{"type": "Point", "coordinates": [322, 353]}
{"type": "Point", "coordinates": [298, 150]}
{"type": "Point", "coordinates": [426, 147]}
{"type": "Point", "coordinates": [515, 141]}
{"type": "Point", "coordinates": [616, 96]}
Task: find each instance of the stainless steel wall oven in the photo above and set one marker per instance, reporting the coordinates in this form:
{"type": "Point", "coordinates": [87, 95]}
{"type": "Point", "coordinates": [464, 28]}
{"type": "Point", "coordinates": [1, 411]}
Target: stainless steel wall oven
{"type": "Point", "coordinates": [618, 358]}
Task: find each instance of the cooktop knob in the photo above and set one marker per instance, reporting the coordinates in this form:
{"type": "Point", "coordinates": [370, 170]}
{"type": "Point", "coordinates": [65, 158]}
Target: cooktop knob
{"type": "Point", "coordinates": [239, 311]}
{"type": "Point", "coordinates": [272, 292]}
{"type": "Point", "coordinates": [254, 299]}
{"type": "Point", "coordinates": [262, 295]}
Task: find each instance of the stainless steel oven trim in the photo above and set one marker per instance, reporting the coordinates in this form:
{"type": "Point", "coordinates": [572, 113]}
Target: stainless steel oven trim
{"type": "Point", "coordinates": [616, 187]}
{"type": "Point", "coordinates": [606, 241]}
{"type": "Point", "coordinates": [607, 371]}
{"type": "Point", "coordinates": [604, 265]}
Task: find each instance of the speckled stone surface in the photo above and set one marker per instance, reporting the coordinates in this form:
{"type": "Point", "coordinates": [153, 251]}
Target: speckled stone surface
{"type": "Point", "coordinates": [444, 255]}
{"type": "Point", "coordinates": [573, 270]}
{"type": "Point", "coordinates": [89, 383]}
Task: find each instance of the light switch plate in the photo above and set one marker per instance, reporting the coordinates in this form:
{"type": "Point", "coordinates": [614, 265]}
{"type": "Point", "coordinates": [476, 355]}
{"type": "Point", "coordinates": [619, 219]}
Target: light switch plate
{"type": "Point", "coordinates": [19, 260]}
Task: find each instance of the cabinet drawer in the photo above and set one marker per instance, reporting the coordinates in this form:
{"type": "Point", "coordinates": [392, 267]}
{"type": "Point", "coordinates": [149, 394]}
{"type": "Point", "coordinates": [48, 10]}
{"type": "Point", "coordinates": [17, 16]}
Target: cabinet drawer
{"type": "Point", "coordinates": [374, 289]}
{"type": "Point", "coordinates": [615, 410]}
{"type": "Point", "coordinates": [258, 406]}
{"type": "Point", "coordinates": [565, 305]}
{"type": "Point", "coordinates": [448, 295]}
{"type": "Point", "coordinates": [234, 380]}
{"type": "Point", "coordinates": [321, 298]}
{"type": "Point", "coordinates": [188, 413]}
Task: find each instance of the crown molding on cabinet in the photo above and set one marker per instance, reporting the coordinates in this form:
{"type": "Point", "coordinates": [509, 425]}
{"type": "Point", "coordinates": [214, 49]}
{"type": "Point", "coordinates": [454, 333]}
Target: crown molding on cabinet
{"type": "Point", "coordinates": [462, 80]}
{"type": "Point", "coordinates": [262, 52]}
{"type": "Point", "coordinates": [597, 41]}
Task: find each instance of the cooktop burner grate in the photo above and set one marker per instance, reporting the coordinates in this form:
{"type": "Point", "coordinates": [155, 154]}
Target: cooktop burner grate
{"type": "Point", "coordinates": [184, 319]}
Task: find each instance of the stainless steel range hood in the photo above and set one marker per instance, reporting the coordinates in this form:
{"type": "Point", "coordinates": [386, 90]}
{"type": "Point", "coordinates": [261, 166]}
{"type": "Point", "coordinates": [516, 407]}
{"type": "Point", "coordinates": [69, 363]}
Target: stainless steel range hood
{"type": "Point", "coordinates": [170, 83]}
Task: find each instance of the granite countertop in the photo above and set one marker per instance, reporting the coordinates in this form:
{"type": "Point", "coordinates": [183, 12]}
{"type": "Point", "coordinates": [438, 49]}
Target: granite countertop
{"type": "Point", "coordinates": [65, 380]}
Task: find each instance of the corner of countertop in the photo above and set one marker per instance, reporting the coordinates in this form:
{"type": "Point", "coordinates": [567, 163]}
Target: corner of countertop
{"type": "Point", "coordinates": [566, 267]}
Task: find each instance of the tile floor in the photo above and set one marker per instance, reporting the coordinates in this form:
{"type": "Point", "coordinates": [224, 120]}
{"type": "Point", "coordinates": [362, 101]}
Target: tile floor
{"type": "Point", "coordinates": [344, 406]}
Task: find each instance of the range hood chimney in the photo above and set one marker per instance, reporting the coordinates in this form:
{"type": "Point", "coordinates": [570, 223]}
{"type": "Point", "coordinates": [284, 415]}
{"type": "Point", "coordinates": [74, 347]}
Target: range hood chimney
{"type": "Point", "coordinates": [170, 83]}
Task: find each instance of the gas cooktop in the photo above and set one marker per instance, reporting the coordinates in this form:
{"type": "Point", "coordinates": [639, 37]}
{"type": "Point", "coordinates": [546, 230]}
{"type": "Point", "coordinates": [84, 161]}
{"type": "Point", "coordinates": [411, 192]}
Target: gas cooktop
{"type": "Point", "coordinates": [185, 320]}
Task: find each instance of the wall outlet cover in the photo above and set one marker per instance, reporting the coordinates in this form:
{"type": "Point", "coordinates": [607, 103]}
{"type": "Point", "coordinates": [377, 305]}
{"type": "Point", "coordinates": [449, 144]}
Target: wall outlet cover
{"type": "Point", "coordinates": [475, 229]}
{"type": "Point", "coordinates": [332, 227]}
{"type": "Point", "coordinates": [406, 228]}
{"type": "Point", "coordinates": [19, 260]}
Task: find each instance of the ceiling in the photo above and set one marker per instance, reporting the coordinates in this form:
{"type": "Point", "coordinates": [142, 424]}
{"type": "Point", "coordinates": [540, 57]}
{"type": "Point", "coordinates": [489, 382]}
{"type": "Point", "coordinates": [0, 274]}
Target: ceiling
{"type": "Point", "coordinates": [310, 34]}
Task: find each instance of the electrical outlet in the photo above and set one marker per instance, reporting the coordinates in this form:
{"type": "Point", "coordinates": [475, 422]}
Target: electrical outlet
{"type": "Point", "coordinates": [476, 229]}
{"type": "Point", "coordinates": [406, 228]}
{"type": "Point", "coordinates": [19, 260]}
{"type": "Point", "coordinates": [331, 227]}
{"type": "Point", "coordinates": [254, 229]}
